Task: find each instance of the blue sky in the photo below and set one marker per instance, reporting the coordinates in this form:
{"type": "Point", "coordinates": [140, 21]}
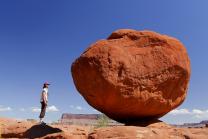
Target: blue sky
{"type": "Point", "coordinates": [39, 40]}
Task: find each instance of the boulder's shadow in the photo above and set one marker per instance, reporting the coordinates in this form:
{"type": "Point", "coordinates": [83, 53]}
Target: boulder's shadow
{"type": "Point", "coordinates": [41, 130]}
{"type": "Point", "coordinates": [143, 123]}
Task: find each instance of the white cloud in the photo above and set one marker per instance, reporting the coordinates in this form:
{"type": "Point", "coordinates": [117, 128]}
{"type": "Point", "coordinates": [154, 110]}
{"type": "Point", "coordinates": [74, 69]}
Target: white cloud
{"type": "Point", "coordinates": [195, 113]}
{"type": "Point", "coordinates": [180, 112]}
{"type": "Point", "coordinates": [80, 108]}
{"type": "Point", "coordinates": [71, 106]}
{"type": "Point", "coordinates": [200, 114]}
{"type": "Point", "coordinates": [22, 109]}
{"type": "Point", "coordinates": [48, 109]}
{"type": "Point", "coordinates": [35, 109]}
{"type": "Point", "coordinates": [3, 109]}
{"type": "Point", "coordinates": [52, 109]}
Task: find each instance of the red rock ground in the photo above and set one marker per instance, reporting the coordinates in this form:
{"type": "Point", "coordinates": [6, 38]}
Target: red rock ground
{"type": "Point", "coordinates": [10, 128]}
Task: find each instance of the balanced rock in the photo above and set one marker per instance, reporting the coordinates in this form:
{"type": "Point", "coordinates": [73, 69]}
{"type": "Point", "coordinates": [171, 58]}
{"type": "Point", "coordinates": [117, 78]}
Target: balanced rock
{"type": "Point", "coordinates": [133, 75]}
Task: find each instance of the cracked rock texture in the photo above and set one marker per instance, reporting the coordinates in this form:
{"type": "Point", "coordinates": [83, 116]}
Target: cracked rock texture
{"type": "Point", "coordinates": [133, 75]}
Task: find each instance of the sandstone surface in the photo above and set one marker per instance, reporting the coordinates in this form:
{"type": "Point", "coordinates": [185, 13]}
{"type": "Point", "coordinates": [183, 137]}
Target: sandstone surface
{"type": "Point", "coordinates": [24, 129]}
{"type": "Point", "coordinates": [10, 128]}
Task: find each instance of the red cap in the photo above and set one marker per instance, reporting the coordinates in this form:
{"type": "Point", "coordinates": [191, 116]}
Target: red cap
{"type": "Point", "coordinates": [46, 83]}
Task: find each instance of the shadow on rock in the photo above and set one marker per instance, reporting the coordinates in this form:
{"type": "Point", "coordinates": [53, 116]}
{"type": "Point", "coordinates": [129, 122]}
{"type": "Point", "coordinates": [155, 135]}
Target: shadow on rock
{"type": "Point", "coordinates": [145, 123]}
{"type": "Point", "coordinates": [38, 131]}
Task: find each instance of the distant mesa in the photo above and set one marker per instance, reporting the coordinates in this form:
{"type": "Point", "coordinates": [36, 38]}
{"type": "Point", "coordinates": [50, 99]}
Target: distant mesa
{"type": "Point", "coordinates": [80, 116]}
{"type": "Point", "coordinates": [193, 125]}
{"type": "Point", "coordinates": [84, 119]}
{"type": "Point", "coordinates": [133, 75]}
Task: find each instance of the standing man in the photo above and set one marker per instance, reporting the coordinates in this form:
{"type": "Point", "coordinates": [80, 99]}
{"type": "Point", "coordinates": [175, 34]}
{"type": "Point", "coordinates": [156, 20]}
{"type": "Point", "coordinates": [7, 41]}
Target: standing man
{"type": "Point", "coordinates": [44, 101]}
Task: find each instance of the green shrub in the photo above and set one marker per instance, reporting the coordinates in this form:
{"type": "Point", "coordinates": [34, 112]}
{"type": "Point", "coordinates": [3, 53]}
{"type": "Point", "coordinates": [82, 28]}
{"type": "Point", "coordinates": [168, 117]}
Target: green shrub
{"type": "Point", "coordinates": [103, 121]}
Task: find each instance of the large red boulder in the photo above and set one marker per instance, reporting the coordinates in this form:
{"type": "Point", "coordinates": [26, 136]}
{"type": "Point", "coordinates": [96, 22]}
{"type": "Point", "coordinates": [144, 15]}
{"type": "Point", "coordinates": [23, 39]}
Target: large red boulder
{"type": "Point", "coordinates": [133, 75]}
